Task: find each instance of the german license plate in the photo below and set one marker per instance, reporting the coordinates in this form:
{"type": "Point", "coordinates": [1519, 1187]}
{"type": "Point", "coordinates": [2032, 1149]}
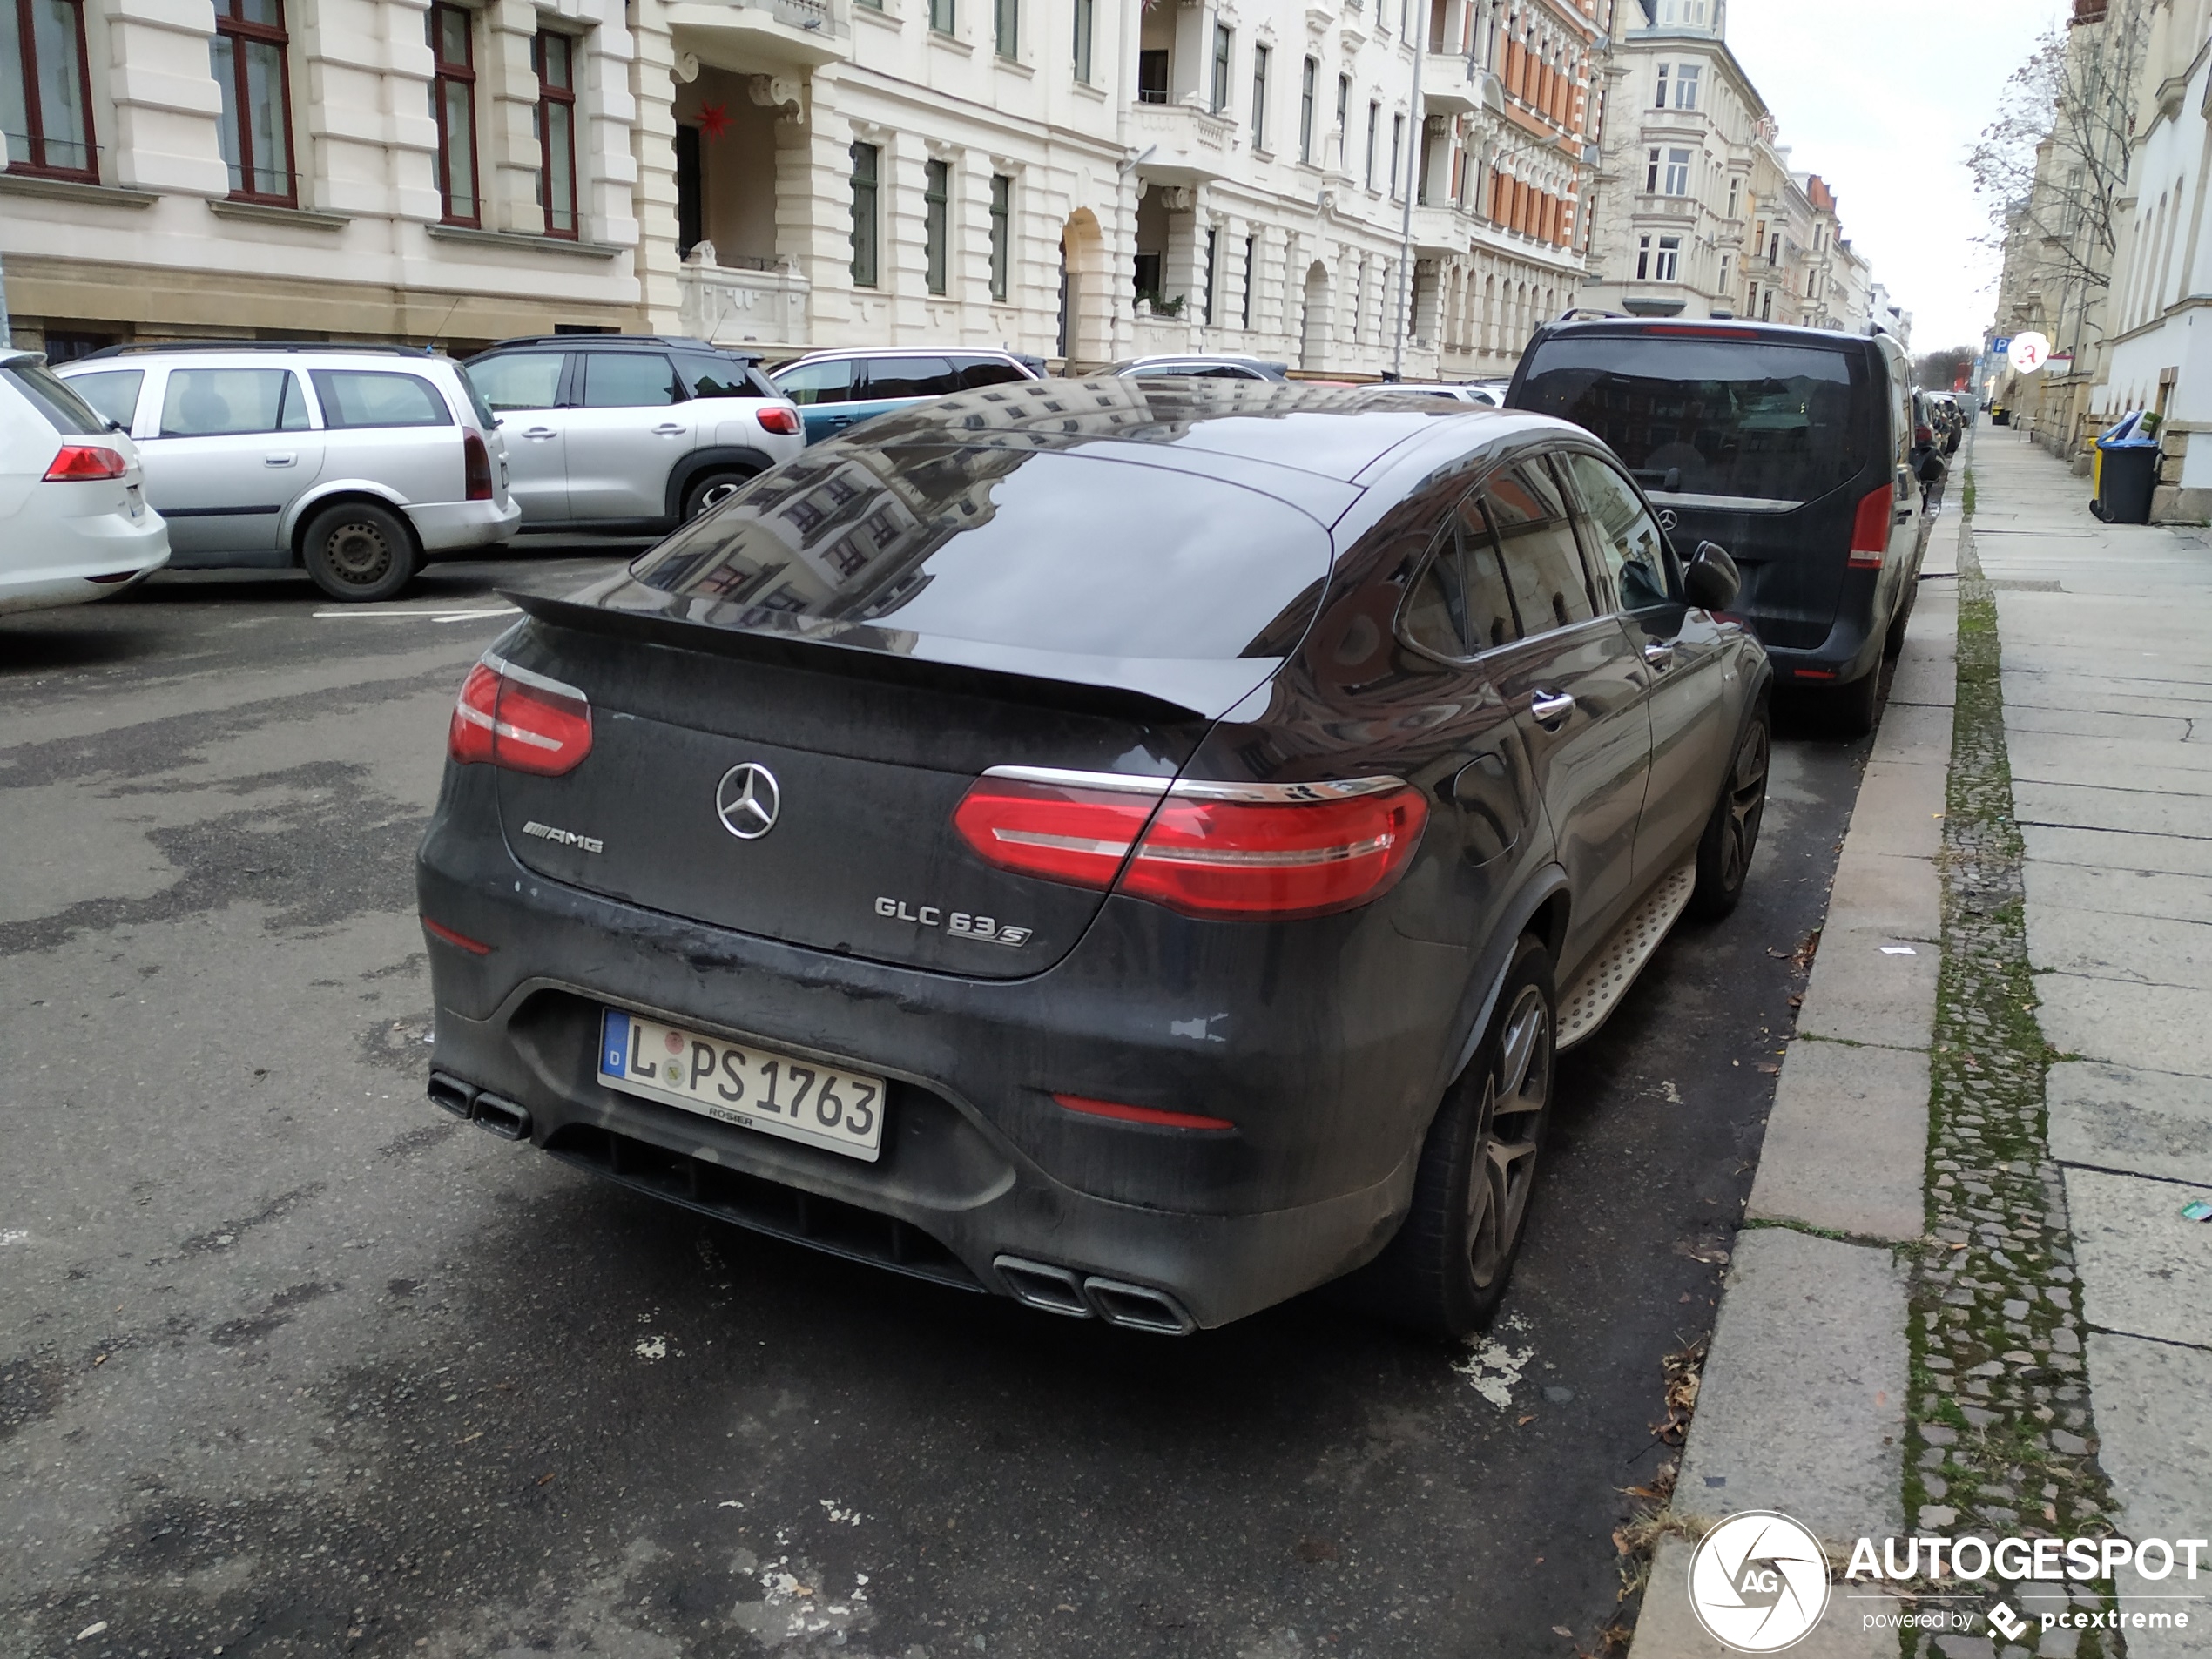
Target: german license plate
{"type": "Point", "coordinates": [736, 1082]}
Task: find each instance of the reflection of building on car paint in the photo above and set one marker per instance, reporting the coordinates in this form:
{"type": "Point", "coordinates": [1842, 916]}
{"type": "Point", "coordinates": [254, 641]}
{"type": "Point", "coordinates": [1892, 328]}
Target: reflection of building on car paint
{"type": "Point", "coordinates": [1402, 780]}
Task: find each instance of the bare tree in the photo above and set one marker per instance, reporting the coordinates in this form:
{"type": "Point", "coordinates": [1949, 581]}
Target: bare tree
{"type": "Point", "coordinates": [2054, 165]}
{"type": "Point", "coordinates": [1938, 371]}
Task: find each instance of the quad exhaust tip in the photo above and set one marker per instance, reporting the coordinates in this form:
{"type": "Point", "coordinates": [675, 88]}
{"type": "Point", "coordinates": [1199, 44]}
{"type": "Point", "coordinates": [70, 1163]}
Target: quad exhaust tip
{"type": "Point", "coordinates": [1059, 1290]}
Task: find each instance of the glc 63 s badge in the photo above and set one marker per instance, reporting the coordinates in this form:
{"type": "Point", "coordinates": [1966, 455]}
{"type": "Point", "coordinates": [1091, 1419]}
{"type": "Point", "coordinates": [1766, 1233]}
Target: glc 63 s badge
{"type": "Point", "coordinates": [959, 923]}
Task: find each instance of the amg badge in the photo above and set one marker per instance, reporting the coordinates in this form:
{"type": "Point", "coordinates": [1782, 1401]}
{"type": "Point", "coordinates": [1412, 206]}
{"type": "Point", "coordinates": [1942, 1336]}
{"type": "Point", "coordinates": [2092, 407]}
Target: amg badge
{"type": "Point", "coordinates": [984, 930]}
{"type": "Point", "coordinates": [563, 838]}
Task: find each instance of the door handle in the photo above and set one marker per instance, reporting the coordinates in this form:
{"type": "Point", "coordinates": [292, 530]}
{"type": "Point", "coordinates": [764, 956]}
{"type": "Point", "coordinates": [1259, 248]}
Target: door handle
{"type": "Point", "coordinates": [670, 429]}
{"type": "Point", "coordinates": [1660, 656]}
{"type": "Point", "coordinates": [1550, 709]}
{"type": "Point", "coordinates": [540, 433]}
{"type": "Point", "coordinates": [283, 458]}
{"type": "Point", "coordinates": [841, 420]}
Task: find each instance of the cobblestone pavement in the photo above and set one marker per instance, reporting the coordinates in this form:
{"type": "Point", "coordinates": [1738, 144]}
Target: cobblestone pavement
{"type": "Point", "coordinates": [2001, 1443]}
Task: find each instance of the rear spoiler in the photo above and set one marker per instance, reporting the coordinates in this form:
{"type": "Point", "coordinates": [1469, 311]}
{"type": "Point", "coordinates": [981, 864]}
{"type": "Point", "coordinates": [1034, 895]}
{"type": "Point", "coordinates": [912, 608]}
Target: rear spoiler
{"type": "Point", "coordinates": [853, 662]}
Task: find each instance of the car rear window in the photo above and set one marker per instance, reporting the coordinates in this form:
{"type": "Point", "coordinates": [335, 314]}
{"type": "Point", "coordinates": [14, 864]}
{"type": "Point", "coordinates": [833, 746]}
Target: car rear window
{"type": "Point", "coordinates": [1776, 425]}
{"type": "Point", "coordinates": [723, 377]}
{"type": "Point", "coordinates": [360, 397]}
{"type": "Point", "coordinates": [113, 391]}
{"type": "Point", "coordinates": [1047, 551]}
{"type": "Point", "coordinates": [51, 396]}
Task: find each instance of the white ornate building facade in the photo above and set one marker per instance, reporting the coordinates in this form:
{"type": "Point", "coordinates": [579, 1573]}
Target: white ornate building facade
{"type": "Point", "coordinates": [1082, 179]}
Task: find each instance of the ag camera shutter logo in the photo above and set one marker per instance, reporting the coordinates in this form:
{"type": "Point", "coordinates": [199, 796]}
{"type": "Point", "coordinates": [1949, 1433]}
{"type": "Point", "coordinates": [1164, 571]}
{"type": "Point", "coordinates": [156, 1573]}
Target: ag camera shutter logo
{"type": "Point", "coordinates": [1759, 1582]}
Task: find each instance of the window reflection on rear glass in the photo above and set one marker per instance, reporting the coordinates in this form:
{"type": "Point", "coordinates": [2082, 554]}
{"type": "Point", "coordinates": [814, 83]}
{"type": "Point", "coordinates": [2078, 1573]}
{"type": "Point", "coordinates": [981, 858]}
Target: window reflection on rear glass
{"type": "Point", "coordinates": [1775, 423]}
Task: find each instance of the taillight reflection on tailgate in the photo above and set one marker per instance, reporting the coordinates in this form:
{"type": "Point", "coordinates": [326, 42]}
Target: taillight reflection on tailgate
{"type": "Point", "coordinates": [510, 716]}
{"type": "Point", "coordinates": [1220, 850]}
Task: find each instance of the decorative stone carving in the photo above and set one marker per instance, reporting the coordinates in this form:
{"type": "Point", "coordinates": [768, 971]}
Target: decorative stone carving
{"type": "Point", "coordinates": [777, 92]}
{"type": "Point", "coordinates": [686, 67]}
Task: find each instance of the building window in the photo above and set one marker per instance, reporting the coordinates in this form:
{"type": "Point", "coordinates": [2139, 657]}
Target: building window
{"type": "Point", "coordinates": [1660, 103]}
{"type": "Point", "coordinates": [1251, 274]}
{"type": "Point", "coordinates": [1307, 79]}
{"type": "Point", "coordinates": [1766, 306]}
{"type": "Point", "coordinates": [1397, 154]}
{"type": "Point", "coordinates": [941, 15]}
{"type": "Point", "coordinates": [453, 105]}
{"type": "Point", "coordinates": [866, 158]}
{"type": "Point", "coordinates": [936, 195]}
{"type": "Point", "coordinates": [249, 57]}
{"type": "Point", "coordinates": [1260, 56]}
{"type": "Point", "coordinates": [1651, 172]}
{"type": "Point", "coordinates": [1735, 196]}
{"type": "Point", "coordinates": [555, 58]}
{"type": "Point", "coordinates": [1152, 76]}
{"type": "Point", "coordinates": [1086, 26]}
{"type": "Point", "coordinates": [1643, 259]}
{"type": "Point", "coordinates": [1001, 232]}
{"type": "Point", "coordinates": [1374, 131]}
{"type": "Point", "coordinates": [1686, 79]}
{"type": "Point", "coordinates": [1006, 27]}
{"type": "Point", "coordinates": [1213, 249]}
{"type": "Point", "coordinates": [46, 90]}
{"type": "Point", "coordinates": [1678, 172]}
{"type": "Point", "coordinates": [1667, 266]}
{"type": "Point", "coordinates": [1223, 41]}
{"type": "Point", "coordinates": [1726, 260]}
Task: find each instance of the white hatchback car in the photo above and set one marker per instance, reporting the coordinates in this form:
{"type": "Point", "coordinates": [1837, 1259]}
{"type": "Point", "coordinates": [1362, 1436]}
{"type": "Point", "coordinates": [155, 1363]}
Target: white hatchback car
{"type": "Point", "coordinates": [354, 462]}
{"type": "Point", "coordinates": [74, 522]}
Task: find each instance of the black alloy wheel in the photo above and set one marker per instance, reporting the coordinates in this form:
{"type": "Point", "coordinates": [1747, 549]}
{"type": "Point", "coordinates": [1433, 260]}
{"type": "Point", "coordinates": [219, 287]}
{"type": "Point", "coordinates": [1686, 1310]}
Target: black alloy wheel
{"type": "Point", "coordinates": [1446, 1272]}
{"type": "Point", "coordinates": [710, 490]}
{"type": "Point", "coordinates": [359, 552]}
{"type": "Point", "coordinates": [1732, 832]}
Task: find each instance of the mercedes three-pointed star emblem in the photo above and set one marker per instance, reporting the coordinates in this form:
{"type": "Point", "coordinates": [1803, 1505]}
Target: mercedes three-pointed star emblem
{"type": "Point", "coordinates": [748, 801]}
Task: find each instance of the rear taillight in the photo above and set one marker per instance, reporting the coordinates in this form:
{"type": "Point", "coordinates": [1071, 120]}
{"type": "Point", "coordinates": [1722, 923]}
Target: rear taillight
{"type": "Point", "coordinates": [1213, 850]}
{"type": "Point", "coordinates": [775, 417]}
{"type": "Point", "coordinates": [1870, 530]}
{"type": "Point", "coordinates": [510, 716]}
{"type": "Point", "coordinates": [475, 466]}
{"type": "Point", "coordinates": [78, 463]}
{"type": "Point", "coordinates": [1923, 434]}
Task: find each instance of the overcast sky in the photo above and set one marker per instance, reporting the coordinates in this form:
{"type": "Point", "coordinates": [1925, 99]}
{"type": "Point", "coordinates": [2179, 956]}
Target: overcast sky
{"type": "Point", "coordinates": [1882, 98]}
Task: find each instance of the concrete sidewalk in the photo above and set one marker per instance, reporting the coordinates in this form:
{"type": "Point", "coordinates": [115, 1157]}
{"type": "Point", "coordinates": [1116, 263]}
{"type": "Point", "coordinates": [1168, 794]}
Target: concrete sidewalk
{"type": "Point", "coordinates": [2106, 634]}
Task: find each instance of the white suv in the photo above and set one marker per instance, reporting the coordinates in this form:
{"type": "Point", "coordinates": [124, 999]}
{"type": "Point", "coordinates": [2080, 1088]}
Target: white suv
{"type": "Point", "coordinates": [74, 522]}
{"type": "Point", "coordinates": [354, 462]}
{"type": "Point", "coordinates": [630, 434]}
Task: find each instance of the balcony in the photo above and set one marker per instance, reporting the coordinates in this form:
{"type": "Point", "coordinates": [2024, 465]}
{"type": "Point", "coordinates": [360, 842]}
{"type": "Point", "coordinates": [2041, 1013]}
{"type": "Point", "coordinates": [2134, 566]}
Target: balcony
{"type": "Point", "coordinates": [751, 35]}
{"type": "Point", "coordinates": [1454, 86]}
{"type": "Point", "coordinates": [1189, 143]}
{"type": "Point", "coordinates": [763, 302]}
{"type": "Point", "coordinates": [1441, 231]}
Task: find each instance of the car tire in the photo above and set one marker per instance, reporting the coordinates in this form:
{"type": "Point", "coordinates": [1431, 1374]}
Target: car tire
{"type": "Point", "coordinates": [1444, 1273]}
{"type": "Point", "coordinates": [1893, 643]}
{"type": "Point", "coordinates": [359, 552]}
{"type": "Point", "coordinates": [1731, 836]}
{"type": "Point", "coordinates": [1851, 709]}
{"type": "Point", "coordinates": [710, 490]}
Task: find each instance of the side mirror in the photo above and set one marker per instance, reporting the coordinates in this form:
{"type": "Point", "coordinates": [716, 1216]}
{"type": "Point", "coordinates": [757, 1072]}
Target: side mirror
{"type": "Point", "coordinates": [1712, 581]}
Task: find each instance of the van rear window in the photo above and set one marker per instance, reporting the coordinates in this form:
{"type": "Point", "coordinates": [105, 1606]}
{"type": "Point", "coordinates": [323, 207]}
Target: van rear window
{"type": "Point", "coordinates": [1776, 425]}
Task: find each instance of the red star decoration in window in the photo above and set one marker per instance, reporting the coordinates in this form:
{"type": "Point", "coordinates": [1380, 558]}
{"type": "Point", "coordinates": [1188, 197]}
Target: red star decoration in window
{"type": "Point", "coordinates": [714, 120]}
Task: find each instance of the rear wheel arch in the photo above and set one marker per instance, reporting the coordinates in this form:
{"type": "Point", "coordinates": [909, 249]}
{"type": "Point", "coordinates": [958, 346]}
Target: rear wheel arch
{"type": "Point", "coordinates": [730, 458]}
{"type": "Point", "coordinates": [304, 512]}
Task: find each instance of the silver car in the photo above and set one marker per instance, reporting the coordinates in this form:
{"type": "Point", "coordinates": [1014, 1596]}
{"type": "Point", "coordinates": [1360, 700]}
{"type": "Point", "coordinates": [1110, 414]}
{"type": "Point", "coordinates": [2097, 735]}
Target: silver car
{"type": "Point", "coordinates": [355, 462]}
{"type": "Point", "coordinates": [74, 522]}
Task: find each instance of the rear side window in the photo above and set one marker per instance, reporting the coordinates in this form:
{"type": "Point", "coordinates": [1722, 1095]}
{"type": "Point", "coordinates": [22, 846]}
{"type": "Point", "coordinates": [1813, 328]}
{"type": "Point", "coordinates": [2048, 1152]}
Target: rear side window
{"type": "Point", "coordinates": [629, 380]}
{"type": "Point", "coordinates": [528, 379]}
{"type": "Point", "coordinates": [51, 395]}
{"type": "Point", "coordinates": [112, 392]}
{"type": "Point", "coordinates": [1775, 425]}
{"type": "Point", "coordinates": [212, 402]}
{"type": "Point", "coordinates": [891, 377]}
{"type": "Point", "coordinates": [988, 371]}
{"type": "Point", "coordinates": [1459, 607]}
{"type": "Point", "coordinates": [719, 377]}
{"type": "Point", "coordinates": [824, 382]}
{"type": "Point", "coordinates": [1542, 564]}
{"type": "Point", "coordinates": [359, 397]}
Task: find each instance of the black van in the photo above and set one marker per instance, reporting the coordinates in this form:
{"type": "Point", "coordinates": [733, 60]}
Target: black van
{"type": "Point", "coordinates": [1791, 448]}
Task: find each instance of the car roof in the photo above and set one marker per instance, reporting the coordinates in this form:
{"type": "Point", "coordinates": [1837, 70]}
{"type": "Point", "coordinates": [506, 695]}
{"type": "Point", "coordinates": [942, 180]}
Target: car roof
{"type": "Point", "coordinates": [1244, 360]}
{"type": "Point", "coordinates": [328, 348]}
{"type": "Point", "coordinates": [1745, 331]}
{"type": "Point", "coordinates": [910, 351]}
{"type": "Point", "coordinates": [1337, 432]}
{"type": "Point", "coordinates": [618, 342]}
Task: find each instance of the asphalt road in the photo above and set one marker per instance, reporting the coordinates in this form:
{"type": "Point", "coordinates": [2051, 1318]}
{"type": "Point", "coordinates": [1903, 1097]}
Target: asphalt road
{"type": "Point", "coordinates": [293, 1364]}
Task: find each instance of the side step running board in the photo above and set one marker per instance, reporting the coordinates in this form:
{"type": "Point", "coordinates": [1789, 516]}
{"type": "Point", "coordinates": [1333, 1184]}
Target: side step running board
{"type": "Point", "coordinates": [1591, 1000]}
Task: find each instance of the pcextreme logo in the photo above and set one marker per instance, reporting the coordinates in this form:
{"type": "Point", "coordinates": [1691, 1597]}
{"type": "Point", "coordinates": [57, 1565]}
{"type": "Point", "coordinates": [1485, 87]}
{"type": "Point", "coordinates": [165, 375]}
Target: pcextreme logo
{"type": "Point", "coordinates": [1759, 1582]}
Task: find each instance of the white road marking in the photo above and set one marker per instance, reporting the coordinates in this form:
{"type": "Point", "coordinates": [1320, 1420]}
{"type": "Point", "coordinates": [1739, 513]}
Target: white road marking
{"type": "Point", "coordinates": [441, 615]}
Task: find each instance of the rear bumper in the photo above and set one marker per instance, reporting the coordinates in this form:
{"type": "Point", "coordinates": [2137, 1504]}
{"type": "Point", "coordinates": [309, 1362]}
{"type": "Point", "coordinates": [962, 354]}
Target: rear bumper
{"type": "Point", "coordinates": [446, 526]}
{"type": "Point", "coordinates": [978, 1163]}
{"type": "Point", "coordinates": [1853, 647]}
{"type": "Point", "coordinates": [77, 560]}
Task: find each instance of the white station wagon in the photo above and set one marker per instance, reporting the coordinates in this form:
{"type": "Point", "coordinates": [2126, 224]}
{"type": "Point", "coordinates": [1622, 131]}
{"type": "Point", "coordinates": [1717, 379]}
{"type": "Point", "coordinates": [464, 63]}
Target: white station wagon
{"type": "Point", "coordinates": [355, 462]}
